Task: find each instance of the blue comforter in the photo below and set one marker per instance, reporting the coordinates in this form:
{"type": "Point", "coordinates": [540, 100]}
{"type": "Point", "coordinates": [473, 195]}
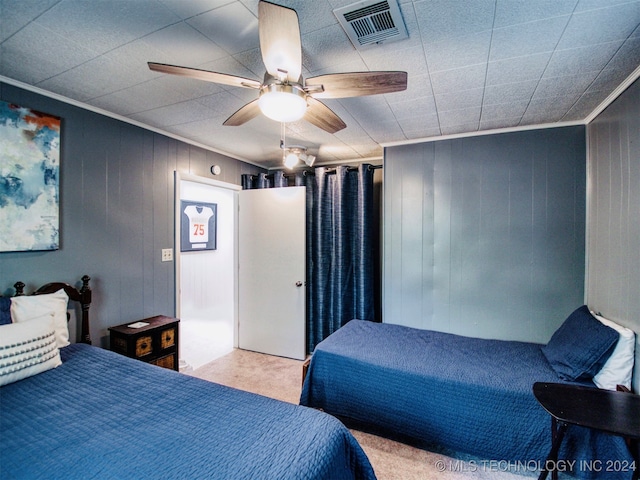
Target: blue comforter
{"type": "Point", "coordinates": [104, 416]}
{"type": "Point", "coordinates": [466, 394]}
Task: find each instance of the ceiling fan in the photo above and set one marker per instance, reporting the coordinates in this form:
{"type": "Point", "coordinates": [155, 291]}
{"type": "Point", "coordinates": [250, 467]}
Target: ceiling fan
{"type": "Point", "coordinates": [284, 95]}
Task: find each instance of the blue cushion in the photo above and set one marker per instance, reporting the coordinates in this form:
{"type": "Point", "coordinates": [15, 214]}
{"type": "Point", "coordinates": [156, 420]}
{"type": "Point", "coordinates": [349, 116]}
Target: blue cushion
{"type": "Point", "coordinates": [581, 346]}
{"type": "Point", "coordinates": [5, 310]}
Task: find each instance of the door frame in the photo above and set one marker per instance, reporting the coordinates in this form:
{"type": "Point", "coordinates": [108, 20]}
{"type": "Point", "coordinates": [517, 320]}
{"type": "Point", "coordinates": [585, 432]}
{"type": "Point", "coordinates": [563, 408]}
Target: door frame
{"type": "Point", "coordinates": [178, 178]}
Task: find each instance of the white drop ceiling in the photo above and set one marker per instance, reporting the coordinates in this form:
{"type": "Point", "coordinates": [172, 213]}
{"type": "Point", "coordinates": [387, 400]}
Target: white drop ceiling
{"type": "Point", "coordinates": [473, 66]}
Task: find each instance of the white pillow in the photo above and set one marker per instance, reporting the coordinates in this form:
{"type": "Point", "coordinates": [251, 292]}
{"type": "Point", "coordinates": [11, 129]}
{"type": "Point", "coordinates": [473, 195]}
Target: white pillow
{"type": "Point", "coordinates": [27, 348]}
{"type": "Point", "coordinates": [28, 307]}
{"type": "Point", "coordinates": [618, 368]}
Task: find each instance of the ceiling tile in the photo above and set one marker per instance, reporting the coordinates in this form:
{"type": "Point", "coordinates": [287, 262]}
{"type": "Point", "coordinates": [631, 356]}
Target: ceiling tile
{"type": "Point", "coordinates": [232, 27]}
{"type": "Point", "coordinates": [582, 59]}
{"type": "Point", "coordinates": [464, 116]}
{"type": "Point", "coordinates": [417, 86]}
{"type": "Point", "coordinates": [568, 85]}
{"type": "Point", "coordinates": [418, 133]}
{"type": "Point", "coordinates": [176, 114]}
{"type": "Point", "coordinates": [601, 25]}
{"type": "Point", "coordinates": [311, 15]}
{"type": "Point", "coordinates": [458, 52]}
{"type": "Point", "coordinates": [420, 125]}
{"type": "Point", "coordinates": [549, 109]}
{"type": "Point", "coordinates": [144, 96]}
{"type": "Point", "coordinates": [623, 64]}
{"type": "Point", "coordinates": [222, 104]}
{"type": "Point", "coordinates": [461, 128]}
{"type": "Point", "coordinates": [252, 60]}
{"type": "Point", "coordinates": [466, 78]}
{"type": "Point", "coordinates": [583, 107]}
{"type": "Point", "coordinates": [527, 38]}
{"type": "Point", "coordinates": [105, 25]}
{"type": "Point", "coordinates": [36, 53]}
{"type": "Point", "coordinates": [409, 59]}
{"type": "Point", "coordinates": [91, 79]}
{"type": "Point", "coordinates": [459, 100]}
{"type": "Point", "coordinates": [510, 12]}
{"type": "Point", "coordinates": [500, 123]}
{"type": "Point", "coordinates": [413, 108]}
{"type": "Point", "coordinates": [503, 110]}
{"type": "Point", "coordinates": [443, 19]}
{"type": "Point", "coordinates": [325, 47]}
{"type": "Point", "coordinates": [510, 92]}
{"type": "Point", "coordinates": [584, 5]}
{"type": "Point", "coordinates": [181, 44]}
{"type": "Point", "coordinates": [17, 14]}
{"type": "Point", "coordinates": [518, 69]}
{"type": "Point", "coordinates": [187, 9]}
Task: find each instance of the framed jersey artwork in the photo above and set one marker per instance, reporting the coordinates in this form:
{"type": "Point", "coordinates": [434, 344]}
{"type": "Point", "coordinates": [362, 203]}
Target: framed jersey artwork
{"type": "Point", "coordinates": [197, 226]}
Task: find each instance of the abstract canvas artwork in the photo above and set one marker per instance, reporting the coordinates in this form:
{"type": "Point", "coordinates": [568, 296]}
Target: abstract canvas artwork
{"type": "Point", "coordinates": [29, 179]}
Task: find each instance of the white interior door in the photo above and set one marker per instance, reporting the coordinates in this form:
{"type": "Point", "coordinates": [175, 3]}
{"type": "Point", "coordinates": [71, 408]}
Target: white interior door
{"type": "Point", "coordinates": [272, 271]}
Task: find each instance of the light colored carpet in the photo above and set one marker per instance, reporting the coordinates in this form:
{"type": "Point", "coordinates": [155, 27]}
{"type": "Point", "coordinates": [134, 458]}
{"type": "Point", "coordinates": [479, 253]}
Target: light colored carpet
{"type": "Point", "coordinates": [281, 378]}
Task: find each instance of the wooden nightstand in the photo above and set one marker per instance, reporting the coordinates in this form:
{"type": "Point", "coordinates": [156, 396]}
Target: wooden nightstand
{"type": "Point", "coordinates": [155, 343]}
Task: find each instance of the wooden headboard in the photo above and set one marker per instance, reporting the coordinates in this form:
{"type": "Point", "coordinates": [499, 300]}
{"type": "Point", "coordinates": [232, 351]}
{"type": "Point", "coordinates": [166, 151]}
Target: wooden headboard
{"type": "Point", "coordinates": [82, 296]}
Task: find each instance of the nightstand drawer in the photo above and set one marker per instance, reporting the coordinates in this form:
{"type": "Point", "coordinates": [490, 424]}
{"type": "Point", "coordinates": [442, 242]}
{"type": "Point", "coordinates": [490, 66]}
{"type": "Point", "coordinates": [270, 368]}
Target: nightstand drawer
{"type": "Point", "coordinates": [144, 346]}
{"type": "Point", "coordinates": [168, 338]}
{"type": "Point", "coordinates": [153, 340]}
{"type": "Point", "coordinates": [167, 362]}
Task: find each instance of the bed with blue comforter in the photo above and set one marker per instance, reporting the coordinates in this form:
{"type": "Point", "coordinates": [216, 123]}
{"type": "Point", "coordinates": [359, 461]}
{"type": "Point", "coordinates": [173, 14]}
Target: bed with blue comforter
{"type": "Point", "coordinates": [438, 389]}
{"type": "Point", "coordinates": [101, 415]}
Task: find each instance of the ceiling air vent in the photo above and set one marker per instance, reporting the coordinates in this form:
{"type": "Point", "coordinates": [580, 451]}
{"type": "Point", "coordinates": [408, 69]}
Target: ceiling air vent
{"type": "Point", "coordinates": [372, 22]}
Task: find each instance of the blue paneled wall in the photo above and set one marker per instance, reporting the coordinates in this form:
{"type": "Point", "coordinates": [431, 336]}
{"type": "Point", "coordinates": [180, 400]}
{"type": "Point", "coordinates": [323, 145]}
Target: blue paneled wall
{"type": "Point", "coordinates": [484, 236]}
{"type": "Point", "coordinates": [613, 233]}
{"type": "Point", "coordinates": [116, 208]}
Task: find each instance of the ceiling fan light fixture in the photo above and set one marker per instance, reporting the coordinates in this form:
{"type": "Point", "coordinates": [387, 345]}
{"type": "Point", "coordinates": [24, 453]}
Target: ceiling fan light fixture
{"type": "Point", "coordinates": [282, 102]}
{"type": "Point", "coordinates": [293, 154]}
{"type": "Point", "coordinates": [309, 160]}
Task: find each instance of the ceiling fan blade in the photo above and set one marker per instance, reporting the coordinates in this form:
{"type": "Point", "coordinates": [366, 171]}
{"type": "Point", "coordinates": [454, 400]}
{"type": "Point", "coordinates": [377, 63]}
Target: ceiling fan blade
{"type": "Point", "coordinates": [205, 75]}
{"type": "Point", "coordinates": [322, 116]}
{"type": "Point", "coordinates": [280, 41]}
{"type": "Point", "coordinates": [356, 84]}
{"type": "Point", "coordinates": [243, 115]}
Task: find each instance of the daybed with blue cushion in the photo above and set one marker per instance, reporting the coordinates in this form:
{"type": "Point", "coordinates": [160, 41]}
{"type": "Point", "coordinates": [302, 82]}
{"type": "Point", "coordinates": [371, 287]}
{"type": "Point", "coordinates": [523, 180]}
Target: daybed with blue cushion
{"type": "Point", "coordinates": [465, 394]}
{"type": "Point", "coordinates": [77, 411]}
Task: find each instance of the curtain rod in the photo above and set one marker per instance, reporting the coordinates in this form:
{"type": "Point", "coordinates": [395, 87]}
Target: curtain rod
{"type": "Point", "coordinates": [332, 170]}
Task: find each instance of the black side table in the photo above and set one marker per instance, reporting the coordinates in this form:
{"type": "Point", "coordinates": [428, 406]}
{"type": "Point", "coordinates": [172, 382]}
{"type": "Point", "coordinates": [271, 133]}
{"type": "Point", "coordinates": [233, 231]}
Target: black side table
{"type": "Point", "coordinates": [617, 413]}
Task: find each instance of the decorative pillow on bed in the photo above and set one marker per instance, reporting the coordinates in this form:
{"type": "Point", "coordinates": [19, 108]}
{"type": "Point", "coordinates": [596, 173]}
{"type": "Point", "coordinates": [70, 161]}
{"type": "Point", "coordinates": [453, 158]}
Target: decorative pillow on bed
{"type": "Point", "coordinates": [619, 367]}
{"type": "Point", "coordinates": [581, 346]}
{"type": "Point", "coordinates": [5, 310]}
{"type": "Point", "coordinates": [27, 348]}
{"type": "Point", "coordinates": [28, 307]}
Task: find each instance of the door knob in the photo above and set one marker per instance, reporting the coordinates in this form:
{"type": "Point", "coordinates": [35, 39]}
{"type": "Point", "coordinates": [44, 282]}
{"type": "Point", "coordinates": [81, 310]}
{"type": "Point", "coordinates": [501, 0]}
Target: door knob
{"type": "Point", "coordinates": [298, 283]}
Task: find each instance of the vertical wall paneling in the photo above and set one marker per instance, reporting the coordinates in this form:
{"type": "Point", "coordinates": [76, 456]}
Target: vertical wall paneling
{"type": "Point", "coordinates": [117, 212]}
{"type": "Point", "coordinates": [613, 274]}
{"type": "Point", "coordinates": [484, 236]}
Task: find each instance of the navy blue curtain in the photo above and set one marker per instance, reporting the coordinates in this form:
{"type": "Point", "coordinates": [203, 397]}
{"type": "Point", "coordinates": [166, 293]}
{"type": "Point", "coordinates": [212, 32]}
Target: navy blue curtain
{"type": "Point", "coordinates": [261, 180]}
{"type": "Point", "coordinates": [340, 279]}
{"type": "Point", "coordinates": [340, 254]}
